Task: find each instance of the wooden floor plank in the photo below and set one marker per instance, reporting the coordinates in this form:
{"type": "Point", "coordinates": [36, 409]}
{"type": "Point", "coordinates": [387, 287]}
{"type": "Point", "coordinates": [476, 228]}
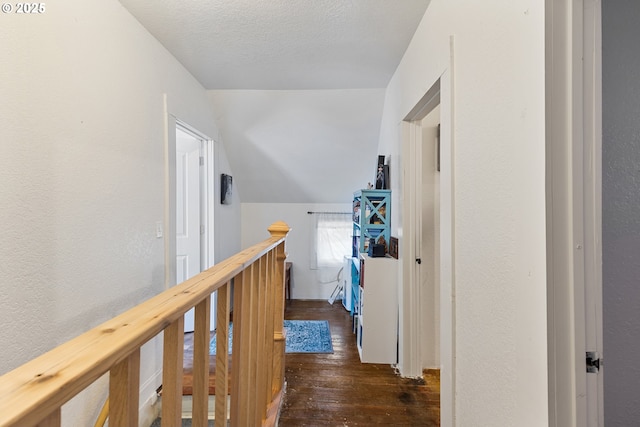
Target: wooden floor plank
{"type": "Point", "coordinates": [336, 389]}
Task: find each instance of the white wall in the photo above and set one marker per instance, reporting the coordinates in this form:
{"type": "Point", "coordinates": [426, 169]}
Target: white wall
{"type": "Point", "coordinates": [498, 132]}
{"type": "Point", "coordinates": [299, 146]}
{"type": "Point", "coordinates": [227, 217]}
{"type": "Point", "coordinates": [257, 217]}
{"type": "Point", "coordinates": [83, 171]}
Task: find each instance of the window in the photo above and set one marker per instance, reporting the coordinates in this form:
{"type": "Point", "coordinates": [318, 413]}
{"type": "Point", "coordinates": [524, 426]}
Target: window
{"type": "Point", "coordinates": [331, 237]}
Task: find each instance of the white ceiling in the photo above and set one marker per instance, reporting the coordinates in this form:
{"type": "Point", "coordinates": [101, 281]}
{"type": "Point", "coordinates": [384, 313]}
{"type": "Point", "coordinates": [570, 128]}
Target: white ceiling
{"type": "Point", "coordinates": [300, 146]}
{"type": "Point", "coordinates": [284, 44]}
{"type": "Point", "coordinates": [282, 75]}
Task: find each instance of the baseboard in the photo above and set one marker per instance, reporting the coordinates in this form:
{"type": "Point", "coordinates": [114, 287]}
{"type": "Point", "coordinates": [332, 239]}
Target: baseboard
{"type": "Point", "coordinates": [187, 407]}
{"type": "Point", "coordinates": [149, 408]}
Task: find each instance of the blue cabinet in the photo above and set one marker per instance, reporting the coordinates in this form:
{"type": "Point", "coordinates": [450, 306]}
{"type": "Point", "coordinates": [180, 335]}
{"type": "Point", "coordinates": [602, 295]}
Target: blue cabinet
{"type": "Point", "coordinates": [371, 219]}
{"type": "Point", "coordinates": [350, 284]}
{"type": "Point", "coordinates": [347, 294]}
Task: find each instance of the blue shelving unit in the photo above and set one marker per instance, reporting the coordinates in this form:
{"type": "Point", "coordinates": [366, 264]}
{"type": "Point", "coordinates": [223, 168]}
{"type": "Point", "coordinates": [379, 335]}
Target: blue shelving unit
{"type": "Point", "coordinates": [371, 219]}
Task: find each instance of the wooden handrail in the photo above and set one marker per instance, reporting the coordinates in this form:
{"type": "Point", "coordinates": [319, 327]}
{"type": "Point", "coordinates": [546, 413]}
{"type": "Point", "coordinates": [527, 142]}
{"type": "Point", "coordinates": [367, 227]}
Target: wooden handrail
{"type": "Point", "coordinates": [34, 392]}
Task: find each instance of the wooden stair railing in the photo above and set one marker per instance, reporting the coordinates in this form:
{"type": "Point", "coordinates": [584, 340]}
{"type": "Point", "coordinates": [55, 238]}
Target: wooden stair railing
{"type": "Point", "coordinates": [33, 394]}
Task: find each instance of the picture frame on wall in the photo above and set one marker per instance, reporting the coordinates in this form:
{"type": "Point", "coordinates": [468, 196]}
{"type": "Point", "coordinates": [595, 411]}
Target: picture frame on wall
{"type": "Point", "coordinates": [393, 247]}
{"type": "Point", "coordinates": [226, 189]}
{"type": "Point", "coordinates": [380, 177]}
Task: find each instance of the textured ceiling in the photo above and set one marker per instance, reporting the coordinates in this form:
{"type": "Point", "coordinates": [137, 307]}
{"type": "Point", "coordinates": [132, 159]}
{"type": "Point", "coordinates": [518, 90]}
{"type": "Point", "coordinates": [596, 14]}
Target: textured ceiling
{"type": "Point", "coordinates": [297, 85]}
{"type": "Point", "coordinates": [284, 44]}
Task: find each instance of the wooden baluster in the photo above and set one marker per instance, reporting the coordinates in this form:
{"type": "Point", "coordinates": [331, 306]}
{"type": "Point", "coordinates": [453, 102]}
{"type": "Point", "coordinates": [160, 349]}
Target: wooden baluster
{"type": "Point", "coordinates": [252, 374]}
{"type": "Point", "coordinates": [222, 354]}
{"type": "Point", "coordinates": [53, 420]}
{"type": "Point", "coordinates": [124, 391]}
{"type": "Point", "coordinates": [269, 335]}
{"type": "Point", "coordinates": [261, 333]}
{"type": "Point", "coordinates": [172, 373]}
{"type": "Point", "coordinates": [201, 337]}
{"type": "Point", "coordinates": [241, 348]}
{"type": "Point", "coordinates": [253, 338]}
{"type": "Point", "coordinates": [279, 229]}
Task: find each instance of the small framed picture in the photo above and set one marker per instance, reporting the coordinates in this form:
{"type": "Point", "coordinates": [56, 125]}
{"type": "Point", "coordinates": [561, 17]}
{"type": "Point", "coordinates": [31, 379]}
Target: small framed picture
{"type": "Point", "coordinates": [226, 189]}
{"type": "Point", "coordinates": [380, 177]}
{"type": "Point", "coordinates": [393, 247]}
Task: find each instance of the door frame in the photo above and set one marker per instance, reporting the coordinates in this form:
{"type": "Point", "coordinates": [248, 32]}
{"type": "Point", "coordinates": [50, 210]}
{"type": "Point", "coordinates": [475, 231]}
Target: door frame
{"type": "Point", "coordinates": [207, 192]}
{"type": "Point", "coordinates": [207, 188]}
{"type": "Point", "coordinates": [574, 209]}
{"type": "Point", "coordinates": [410, 327]}
{"type": "Point", "coordinates": [207, 198]}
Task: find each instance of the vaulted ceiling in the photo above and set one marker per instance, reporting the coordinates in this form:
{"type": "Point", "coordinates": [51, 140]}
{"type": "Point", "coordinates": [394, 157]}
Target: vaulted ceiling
{"type": "Point", "coordinates": [297, 86]}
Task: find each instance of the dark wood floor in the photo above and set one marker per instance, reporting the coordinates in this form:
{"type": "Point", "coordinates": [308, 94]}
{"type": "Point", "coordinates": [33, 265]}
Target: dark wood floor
{"type": "Point", "coordinates": [336, 389]}
{"type": "Point", "coordinates": [187, 379]}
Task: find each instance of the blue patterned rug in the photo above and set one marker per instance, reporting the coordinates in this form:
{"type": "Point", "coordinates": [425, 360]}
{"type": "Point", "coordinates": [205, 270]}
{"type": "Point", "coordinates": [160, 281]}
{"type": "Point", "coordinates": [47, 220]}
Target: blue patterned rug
{"type": "Point", "coordinates": [303, 336]}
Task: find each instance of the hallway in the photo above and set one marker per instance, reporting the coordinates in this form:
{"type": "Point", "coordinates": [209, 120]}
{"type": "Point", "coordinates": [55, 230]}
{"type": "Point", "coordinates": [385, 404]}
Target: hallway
{"type": "Point", "coordinates": [336, 389]}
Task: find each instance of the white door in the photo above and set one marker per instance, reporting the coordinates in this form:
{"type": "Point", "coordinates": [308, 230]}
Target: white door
{"type": "Point", "coordinates": [187, 212]}
{"type": "Point", "coordinates": [428, 239]}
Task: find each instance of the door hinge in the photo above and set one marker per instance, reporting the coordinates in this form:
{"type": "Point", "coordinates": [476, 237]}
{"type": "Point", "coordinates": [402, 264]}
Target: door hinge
{"type": "Point", "coordinates": [593, 362]}
{"type": "Point", "coordinates": [201, 161]}
{"type": "Point", "coordinates": [202, 229]}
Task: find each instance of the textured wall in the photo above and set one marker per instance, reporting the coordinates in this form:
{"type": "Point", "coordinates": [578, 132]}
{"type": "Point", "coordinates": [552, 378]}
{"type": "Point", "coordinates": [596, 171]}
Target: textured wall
{"type": "Point", "coordinates": [621, 210]}
{"type": "Point", "coordinates": [82, 169]}
{"type": "Point", "coordinates": [498, 127]}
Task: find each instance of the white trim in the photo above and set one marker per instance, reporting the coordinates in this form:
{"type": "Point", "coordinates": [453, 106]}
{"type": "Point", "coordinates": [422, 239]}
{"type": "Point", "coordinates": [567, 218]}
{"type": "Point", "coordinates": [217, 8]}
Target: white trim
{"type": "Point", "coordinates": [409, 333]}
{"type": "Point", "coordinates": [207, 192]}
{"type": "Point", "coordinates": [207, 199]}
{"type": "Point", "coordinates": [149, 408]}
{"type": "Point", "coordinates": [574, 191]}
{"type": "Point", "coordinates": [170, 197]}
{"type": "Point", "coordinates": [592, 202]}
{"type": "Point", "coordinates": [447, 249]}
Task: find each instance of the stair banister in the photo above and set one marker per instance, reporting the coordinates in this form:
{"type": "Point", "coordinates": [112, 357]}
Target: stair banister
{"type": "Point", "coordinates": [33, 393]}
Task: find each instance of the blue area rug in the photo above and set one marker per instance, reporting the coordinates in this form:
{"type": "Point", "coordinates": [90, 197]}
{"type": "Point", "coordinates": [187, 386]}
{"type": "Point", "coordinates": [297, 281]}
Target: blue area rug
{"type": "Point", "coordinates": [303, 336]}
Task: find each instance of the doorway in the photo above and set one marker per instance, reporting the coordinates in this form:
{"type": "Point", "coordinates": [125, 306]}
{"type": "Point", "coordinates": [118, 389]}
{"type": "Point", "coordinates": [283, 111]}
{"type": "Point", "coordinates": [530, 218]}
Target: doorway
{"type": "Point", "coordinates": [427, 307]}
{"type": "Point", "coordinates": [193, 224]}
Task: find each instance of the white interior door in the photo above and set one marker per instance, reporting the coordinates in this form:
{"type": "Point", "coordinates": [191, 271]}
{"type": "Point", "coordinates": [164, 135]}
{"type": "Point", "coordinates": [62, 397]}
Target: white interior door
{"type": "Point", "coordinates": [187, 212]}
{"type": "Point", "coordinates": [428, 237]}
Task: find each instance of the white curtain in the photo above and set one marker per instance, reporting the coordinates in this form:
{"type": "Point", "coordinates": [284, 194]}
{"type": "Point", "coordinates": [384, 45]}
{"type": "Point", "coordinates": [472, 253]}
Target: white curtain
{"type": "Point", "coordinates": [331, 241]}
